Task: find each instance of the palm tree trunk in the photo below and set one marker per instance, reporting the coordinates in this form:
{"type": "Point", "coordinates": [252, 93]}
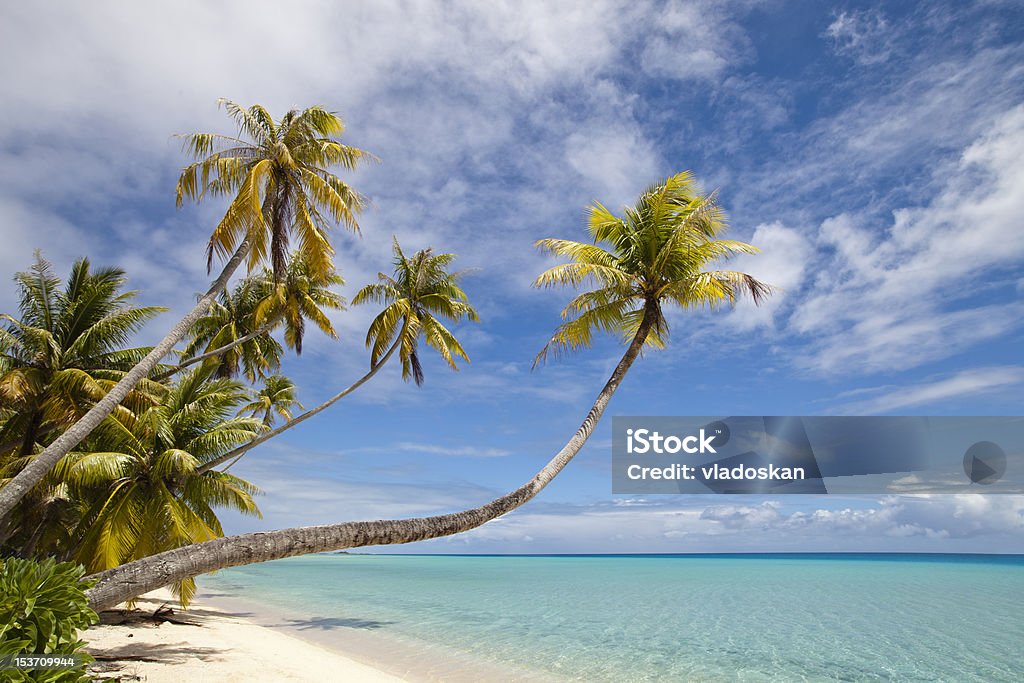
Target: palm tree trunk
{"type": "Point", "coordinates": [218, 351]}
{"type": "Point", "coordinates": [34, 472]}
{"type": "Point", "coordinates": [28, 442]}
{"type": "Point", "coordinates": [14, 443]}
{"type": "Point", "coordinates": [135, 578]}
{"type": "Point", "coordinates": [30, 547]}
{"type": "Point", "coordinates": [237, 453]}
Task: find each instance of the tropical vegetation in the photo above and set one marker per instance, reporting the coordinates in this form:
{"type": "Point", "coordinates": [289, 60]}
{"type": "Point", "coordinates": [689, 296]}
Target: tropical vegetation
{"type": "Point", "coordinates": [123, 459]}
{"type": "Point", "coordinates": [140, 484]}
{"type": "Point", "coordinates": [277, 174]}
{"type": "Point", "coordinates": [42, 609]}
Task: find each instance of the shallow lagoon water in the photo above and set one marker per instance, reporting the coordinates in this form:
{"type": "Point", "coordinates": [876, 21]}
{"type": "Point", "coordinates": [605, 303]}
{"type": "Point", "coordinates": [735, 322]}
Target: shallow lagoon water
{"type": "Point", "coordinates": [675, 617]}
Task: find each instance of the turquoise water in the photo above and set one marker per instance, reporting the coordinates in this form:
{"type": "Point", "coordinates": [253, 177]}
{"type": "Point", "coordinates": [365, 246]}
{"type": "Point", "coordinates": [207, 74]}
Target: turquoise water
{"type": "Point", "coordinates": [677, 618]}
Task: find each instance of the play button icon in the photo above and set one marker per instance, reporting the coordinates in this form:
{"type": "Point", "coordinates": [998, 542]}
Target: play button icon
{"type": "Point", "coordinates": [985, 463]}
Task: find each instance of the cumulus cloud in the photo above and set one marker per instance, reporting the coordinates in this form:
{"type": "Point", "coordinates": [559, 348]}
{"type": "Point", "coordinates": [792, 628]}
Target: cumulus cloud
{"type": "Point", "coordinates": [933, 517]}
{"type": "Point", "coordinates": [904, 522]}
{"type": "Point", "coordinates": [782, 263]}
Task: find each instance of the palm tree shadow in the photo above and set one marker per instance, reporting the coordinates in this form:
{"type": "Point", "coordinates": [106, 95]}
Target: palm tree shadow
{"type": "Point", "coordinates": [331, 623]}
{"type": "Point", "coordinates": [162, 653]}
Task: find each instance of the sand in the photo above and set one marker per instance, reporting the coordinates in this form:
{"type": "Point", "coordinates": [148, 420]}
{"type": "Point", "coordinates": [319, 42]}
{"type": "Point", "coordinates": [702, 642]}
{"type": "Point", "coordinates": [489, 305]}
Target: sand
{"type": "Point", "coordinates": [217, 646]}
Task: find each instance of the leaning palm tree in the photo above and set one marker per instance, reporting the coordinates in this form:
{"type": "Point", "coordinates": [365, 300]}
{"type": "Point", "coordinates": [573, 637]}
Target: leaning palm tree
{"type": "Point", "coordinates": [658, 253]}
{"type": "Point", "coordinates": [304, 293]}
{"type": "Point", "coordinates": [143, 483]}
{"type": "Point", "coordinates": [231, 338]}
{"type": "Point", "coordinates": [421, 290]}
{"type": "Point", "coordinates": [277, 175]}
{"type": "Point", "coordinates": [256, 307]}
{"type": "Point", "coordinates": [275, 399]}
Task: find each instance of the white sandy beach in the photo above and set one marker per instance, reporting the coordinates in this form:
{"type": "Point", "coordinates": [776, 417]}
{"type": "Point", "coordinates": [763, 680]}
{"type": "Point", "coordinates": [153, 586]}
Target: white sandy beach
{"type": "Point", "coordinates": [220, 647]}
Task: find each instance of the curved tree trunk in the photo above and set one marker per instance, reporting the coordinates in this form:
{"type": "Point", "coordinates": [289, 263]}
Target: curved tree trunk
{"type": "Point", "coordinates": [34, 472]}
{"type": "Point", "coordinates": [218, 351]}
{"type": "Point", "coordinates": [135, 578]}
{"type": "Point", "coordinates": [237, 453]}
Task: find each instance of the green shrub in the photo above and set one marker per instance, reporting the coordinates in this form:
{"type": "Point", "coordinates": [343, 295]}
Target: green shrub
{"type": "Point", "coordinates": [42, 608]}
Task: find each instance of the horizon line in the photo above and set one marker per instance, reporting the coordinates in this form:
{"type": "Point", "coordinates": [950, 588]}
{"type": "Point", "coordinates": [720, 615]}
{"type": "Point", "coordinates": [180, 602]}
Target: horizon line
{"type": "Point", "coordinates": [690, 554]}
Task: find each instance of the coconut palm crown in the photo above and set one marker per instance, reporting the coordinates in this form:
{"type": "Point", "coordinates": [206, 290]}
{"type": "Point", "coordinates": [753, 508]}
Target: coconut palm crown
{"type": "Point", "coordinates": [276, 398]}
{"type": "Point", "coordinates": [146, 492]}
{"type": "Point", "coordinates": [303, 294]}
{"type": "Point", "coordinates": [421, 289]}
{"type": "Point", "coordinates": [658, 252]}
{"type": "Point", "coordinates": [277, 173]}
{"type": "Point", "coordinates": [230, 320]}
{"type": "Point", "coordinates": [67, 348]}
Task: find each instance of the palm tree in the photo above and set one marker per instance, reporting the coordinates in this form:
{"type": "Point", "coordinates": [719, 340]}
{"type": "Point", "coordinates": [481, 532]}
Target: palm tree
{"type": "Point", "coordinates": [146, 494]}
{"type": "Point", "coordinates": [280, 184]}
{"type": "Point", "coordinates": [421, 289]}
{"type": "Point", "coordinates": [231, 338]}
{"type": "Point", "coordinates": [260, 304]}
{"type": "Point", "coordinates": [303, 294]}
{"type": "Point", "coordinates": [657, 254]}
{"type": "Point", "coordinates": [66, 349]}
{"type": "Point", "coordinates": [277, 397]}
{"type": "Point", "coordinates": [279, 181]}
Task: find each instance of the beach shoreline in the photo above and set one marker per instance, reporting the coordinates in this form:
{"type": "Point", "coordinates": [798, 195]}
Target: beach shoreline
{"type": "Point", "coordinates": [216, 644]}
{"type": "Point", "coordinates": [232, 638]}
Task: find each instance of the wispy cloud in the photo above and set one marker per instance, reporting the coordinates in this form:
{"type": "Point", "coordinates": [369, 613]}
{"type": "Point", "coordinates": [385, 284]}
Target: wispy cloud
{"type": "Point", "coordinates": [863, 36]}
{"type": "Point", "coordinates": [461, 451]}
{"type": "Point", "coordinates": [960, 386]}
{"type": "Point", "coordinates": [898, 292]}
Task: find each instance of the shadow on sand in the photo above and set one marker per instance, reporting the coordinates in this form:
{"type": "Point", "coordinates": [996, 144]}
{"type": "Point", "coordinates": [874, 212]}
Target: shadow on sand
{"type": "Point", "coordinates": [163, 653]}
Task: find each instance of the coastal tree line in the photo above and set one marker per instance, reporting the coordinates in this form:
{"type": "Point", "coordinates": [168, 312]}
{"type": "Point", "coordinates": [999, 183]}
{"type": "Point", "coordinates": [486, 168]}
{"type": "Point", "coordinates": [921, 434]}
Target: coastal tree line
{"type": "Point", "coordinates": [116, 456]}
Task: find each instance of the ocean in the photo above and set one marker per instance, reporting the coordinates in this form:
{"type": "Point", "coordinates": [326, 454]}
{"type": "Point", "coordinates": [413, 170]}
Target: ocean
{"type": "Point", "coordinates": [780, 617]}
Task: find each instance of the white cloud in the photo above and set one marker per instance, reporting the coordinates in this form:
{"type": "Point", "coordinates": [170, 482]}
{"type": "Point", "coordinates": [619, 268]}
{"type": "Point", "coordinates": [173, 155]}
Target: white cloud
{"type": "Point", "coordinates": [615, 164]}
{"type": "Point", "coordinates": [893, 523]}
{"type": "Point", "coordinates": [863, 36]}
{"type": "Point", "coordinates": [693, 40]}
{"type": "Point", "coordinates": [462, 451]}
{"type": "Point", "coordinates": [902, 296]}
{"type": "Point", "coordinates": [442, 93]}
{"type": "Point", "coordinates": [782, 263]}
{"type": "Point", "coordinates": [958, 386]}
{"type": "Point", "coordinates": [908, 129]}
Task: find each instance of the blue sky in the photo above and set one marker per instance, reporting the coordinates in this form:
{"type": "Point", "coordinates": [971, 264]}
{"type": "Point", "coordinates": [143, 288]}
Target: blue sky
{"type": "Point", "coordinates": [872, 150]}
